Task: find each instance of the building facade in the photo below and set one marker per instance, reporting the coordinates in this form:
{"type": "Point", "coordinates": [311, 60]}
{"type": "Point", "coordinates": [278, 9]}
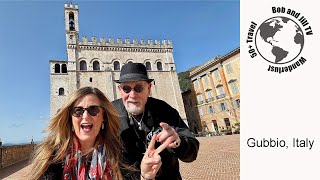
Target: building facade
{"type": "Point", "coordinates": [190, 105]}
{"type": "Point", "coordinates": [97, 63]}
{"type": "Point", "coordinates": [216, 85]}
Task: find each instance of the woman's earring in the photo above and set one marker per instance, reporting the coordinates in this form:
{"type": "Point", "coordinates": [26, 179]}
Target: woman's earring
{"type": "Point", "coordinates": [102, 127]}
{"type": "Point", "coordinates": [72, 129]}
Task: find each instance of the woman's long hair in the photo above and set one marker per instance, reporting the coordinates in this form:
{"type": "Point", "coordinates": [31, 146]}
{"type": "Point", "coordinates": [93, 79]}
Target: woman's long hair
{"type": "Point", "coordinates": [54, 148]}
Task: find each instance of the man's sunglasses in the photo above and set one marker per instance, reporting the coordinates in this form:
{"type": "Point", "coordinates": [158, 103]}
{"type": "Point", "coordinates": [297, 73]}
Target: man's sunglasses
{"type": "Point", "coordinates": [127, 89]}
{"type": "Point", "coordinates": [92, 110]}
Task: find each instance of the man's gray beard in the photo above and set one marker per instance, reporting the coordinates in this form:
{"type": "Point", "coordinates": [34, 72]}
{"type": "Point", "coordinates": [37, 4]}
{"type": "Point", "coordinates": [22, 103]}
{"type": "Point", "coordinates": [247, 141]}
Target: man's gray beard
{"type": "Point", "coordinates": [133, 109]}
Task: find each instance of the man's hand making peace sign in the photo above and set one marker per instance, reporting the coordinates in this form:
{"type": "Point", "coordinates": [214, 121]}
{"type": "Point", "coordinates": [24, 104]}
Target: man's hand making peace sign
{"type": "Point", "coordinates": [151, 161]}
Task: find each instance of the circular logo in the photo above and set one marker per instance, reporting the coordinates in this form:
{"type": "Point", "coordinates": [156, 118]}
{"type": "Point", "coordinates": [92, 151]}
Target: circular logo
{"type": "Point", "coordinates": [279, 40]}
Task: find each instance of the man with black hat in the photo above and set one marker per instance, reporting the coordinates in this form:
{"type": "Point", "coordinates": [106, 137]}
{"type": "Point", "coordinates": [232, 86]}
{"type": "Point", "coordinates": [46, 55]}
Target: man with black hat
{"type": "Point", "coordinates": [142, 116]}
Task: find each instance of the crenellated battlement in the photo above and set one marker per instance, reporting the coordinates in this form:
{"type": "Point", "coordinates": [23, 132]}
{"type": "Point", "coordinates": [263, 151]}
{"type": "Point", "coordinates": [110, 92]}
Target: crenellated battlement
{"type": "Point", "coordinates": [96, 61]}
{"type": "Point", "coordinates": [70, 5]}
{"type": "Point", "coordinates": [119, 42]}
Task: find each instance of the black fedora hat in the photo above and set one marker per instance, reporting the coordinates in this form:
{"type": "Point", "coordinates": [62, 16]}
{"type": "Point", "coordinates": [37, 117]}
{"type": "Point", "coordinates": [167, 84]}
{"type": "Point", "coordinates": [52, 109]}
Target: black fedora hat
{"type": "Point", "coordinates": [133, 72]}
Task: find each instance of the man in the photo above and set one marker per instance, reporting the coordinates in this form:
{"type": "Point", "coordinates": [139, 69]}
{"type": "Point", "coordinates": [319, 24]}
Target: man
{"type": "Point", "coordinates": [142, 116]}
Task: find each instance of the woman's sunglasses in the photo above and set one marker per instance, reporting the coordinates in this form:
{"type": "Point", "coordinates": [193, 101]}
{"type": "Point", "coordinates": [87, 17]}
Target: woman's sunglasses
{"type": "Point", "coordinates": [92, 110]}
{"type": "Point", "coordinates": [137, 88]}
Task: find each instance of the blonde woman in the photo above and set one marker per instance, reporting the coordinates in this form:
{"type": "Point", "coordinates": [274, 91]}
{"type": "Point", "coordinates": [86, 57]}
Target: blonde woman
{"type": "Point", "coordinates": [83, 142]}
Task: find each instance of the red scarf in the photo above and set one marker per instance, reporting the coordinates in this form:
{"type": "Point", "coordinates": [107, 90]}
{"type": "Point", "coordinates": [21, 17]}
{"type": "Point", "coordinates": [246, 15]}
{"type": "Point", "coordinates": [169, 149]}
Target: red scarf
{"type": "Point", "coordinates": [75, 165]}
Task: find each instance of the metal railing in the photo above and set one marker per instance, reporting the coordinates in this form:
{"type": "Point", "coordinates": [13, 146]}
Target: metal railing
{"type": "Point", "coordinates": [210, 99]}
{"type": "Point", "coordinates": [221, 96]}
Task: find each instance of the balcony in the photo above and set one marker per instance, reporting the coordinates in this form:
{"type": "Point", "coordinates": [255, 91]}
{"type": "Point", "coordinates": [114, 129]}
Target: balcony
{"type": "Point", "coordinates": [221, 96]}
{"type": "Point", "coordinates": [209, 99]}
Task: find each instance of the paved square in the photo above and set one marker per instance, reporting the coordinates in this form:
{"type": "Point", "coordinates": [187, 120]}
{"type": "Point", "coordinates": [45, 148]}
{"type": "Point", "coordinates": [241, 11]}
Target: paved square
{"type": "Point", "coordinates": [218, 159]}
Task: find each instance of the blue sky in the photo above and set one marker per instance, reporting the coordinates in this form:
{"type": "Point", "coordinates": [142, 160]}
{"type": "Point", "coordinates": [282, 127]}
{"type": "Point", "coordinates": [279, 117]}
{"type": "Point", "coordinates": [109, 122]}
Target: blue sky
{"type": "Point", "coordinates": [32, 33]}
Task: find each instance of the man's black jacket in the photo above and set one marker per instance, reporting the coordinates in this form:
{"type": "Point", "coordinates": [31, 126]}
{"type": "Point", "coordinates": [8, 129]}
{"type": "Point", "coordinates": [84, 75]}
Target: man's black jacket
{"type": "Point", "coordinates": [135, 142]}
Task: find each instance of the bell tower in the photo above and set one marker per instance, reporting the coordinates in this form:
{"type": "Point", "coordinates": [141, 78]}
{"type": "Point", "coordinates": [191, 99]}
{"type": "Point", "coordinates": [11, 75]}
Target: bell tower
{"type": "Point", "coordinates": [71, 13]}
{"type": "Point", "coordinates": [71, 23]}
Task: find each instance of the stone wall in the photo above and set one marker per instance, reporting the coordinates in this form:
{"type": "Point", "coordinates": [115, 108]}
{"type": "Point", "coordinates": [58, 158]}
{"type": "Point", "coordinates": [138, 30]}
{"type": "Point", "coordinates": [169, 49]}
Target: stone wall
{"type": "Point", "coordinates": [166, 80]}
{"type": "Point", "coordinates": [108, 54]}
{"type": "Point", "coordinates": [13, 154]}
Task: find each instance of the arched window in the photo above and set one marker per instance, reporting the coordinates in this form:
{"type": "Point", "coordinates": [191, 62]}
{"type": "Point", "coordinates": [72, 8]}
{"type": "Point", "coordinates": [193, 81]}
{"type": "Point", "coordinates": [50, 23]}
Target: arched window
{"type": "Point", "coordinates": [57, 68]}
{"type": "Point", "coordinates": [159, 66]}
{"type": "Point", "coordinates": [61, 92]}
{"type": "Point", "coordinates": [83, 65]}
{"type": "Point", "coordinates": [148, 66]}
{"type": "Point", "coordinates": [116, 66]}
{"type": "Point", "coordinates": [71, 21]}
{"type": "Point", "coordinates": [96, 66]}
{"type": "Point", "coordinates": [64, 68]}
{"type": "Point", "coordinates": [130, 62]}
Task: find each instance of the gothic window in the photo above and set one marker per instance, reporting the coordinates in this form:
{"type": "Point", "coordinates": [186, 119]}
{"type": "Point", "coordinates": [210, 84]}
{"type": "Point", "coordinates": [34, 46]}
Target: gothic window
{"type": "Point", "coordinates": [64, 68]}
{"type": "Point", "coordinates": [130, 62]}
{"type": "Point", "coordinates": [71, 21]}
{"type": "Point", "coordinates": [57, 68]}
{"type": "Point", "coordinates": [116, 66]}
{"type": "Point", "coordinates": [83, 65]}
{"type": "Point", "coordinates": [159, 66]}
{"type": "Point", "coordinates": [96, 66]}
{"type": "Point", "coordinates": [148, 66]}
{"type": "Point", "coordinates": [61, 92]}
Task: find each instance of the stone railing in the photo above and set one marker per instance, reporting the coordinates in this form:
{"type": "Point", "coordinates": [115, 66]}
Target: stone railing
{"type": "Point", "coordinates": [10, 155]}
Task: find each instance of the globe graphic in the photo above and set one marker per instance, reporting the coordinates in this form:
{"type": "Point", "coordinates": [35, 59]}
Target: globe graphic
{"type": "Point", "coordinates": [279, 40]}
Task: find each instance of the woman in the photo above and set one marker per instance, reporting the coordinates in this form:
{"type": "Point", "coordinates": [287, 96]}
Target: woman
{"type": "Point", "coordinates": [83, 142]}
